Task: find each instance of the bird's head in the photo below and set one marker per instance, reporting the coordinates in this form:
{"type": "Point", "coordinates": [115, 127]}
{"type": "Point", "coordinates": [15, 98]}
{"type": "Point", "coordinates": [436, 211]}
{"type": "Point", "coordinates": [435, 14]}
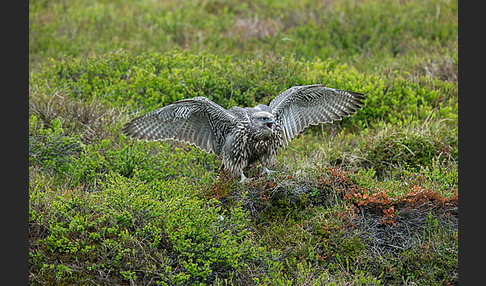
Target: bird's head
{"type": "Point", "coordinates": [264, 122]}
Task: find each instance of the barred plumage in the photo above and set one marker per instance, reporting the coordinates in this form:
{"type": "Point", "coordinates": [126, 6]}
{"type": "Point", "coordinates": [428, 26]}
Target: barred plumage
{"type": "Point", "coordinates": [244, 136]}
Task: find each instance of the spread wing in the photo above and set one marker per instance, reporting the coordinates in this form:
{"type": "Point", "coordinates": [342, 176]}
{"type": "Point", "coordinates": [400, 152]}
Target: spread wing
{"type": "Point", "coordinates": [197, 121]}
{"type": "Point", "coordinates": [300, 106]}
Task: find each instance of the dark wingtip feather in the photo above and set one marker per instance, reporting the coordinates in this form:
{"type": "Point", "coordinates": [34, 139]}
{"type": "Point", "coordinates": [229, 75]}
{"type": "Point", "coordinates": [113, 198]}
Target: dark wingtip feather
{"type": "Point", "coordinates": [126, 129]}
{"type": "Point", "coordinates": [358, 96]}
{"type": "Point", "coordinates": [129, 130]}
{"type": "Point", "coordinates": [358, 99]}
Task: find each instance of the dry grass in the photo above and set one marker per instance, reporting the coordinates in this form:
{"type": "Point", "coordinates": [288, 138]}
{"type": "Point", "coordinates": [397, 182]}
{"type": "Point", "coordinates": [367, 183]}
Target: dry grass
{"type": "Point", "coordinates": [89, 119]}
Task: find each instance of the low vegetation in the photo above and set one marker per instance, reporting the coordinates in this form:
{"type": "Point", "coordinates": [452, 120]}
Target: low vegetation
{"type": "Point", "coordinates": [369, 200]}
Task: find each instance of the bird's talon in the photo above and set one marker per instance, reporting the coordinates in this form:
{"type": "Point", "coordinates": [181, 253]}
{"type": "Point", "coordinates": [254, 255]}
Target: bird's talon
{"type": "Point", "coordinates": [265, 170]}
{"type": "Point", "coordinates": [244, 179]}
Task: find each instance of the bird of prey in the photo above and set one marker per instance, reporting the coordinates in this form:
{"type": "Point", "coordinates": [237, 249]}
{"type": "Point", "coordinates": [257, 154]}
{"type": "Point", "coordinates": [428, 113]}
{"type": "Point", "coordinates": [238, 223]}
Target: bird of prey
{"type": "Point", "coordinates": [244, 136]}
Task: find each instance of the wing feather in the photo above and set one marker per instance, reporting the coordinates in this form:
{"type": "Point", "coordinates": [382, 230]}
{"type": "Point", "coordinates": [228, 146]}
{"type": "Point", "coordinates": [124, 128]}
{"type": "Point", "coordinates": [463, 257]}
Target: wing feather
{"type": "Point", "coordinates": [293, 125]}
{"type": "Point", "coordinates": [300, 106]}
{"type": "Point", "coordinates": [197, 121]}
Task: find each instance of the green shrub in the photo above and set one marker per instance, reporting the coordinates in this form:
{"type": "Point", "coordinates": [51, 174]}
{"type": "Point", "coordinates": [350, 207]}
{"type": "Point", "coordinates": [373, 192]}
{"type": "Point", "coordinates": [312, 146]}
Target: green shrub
{"type": "Point", "coordinates": [148, 81]}
{"type": "Point", "coordinates": [51, 147]}
{"type": "Point", "coordinates": [128, 230]}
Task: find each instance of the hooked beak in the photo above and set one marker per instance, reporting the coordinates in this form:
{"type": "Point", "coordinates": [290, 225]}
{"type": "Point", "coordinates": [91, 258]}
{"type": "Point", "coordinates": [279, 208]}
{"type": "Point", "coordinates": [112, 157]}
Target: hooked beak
{"type": "Point", "coordinates": [271, 125]}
